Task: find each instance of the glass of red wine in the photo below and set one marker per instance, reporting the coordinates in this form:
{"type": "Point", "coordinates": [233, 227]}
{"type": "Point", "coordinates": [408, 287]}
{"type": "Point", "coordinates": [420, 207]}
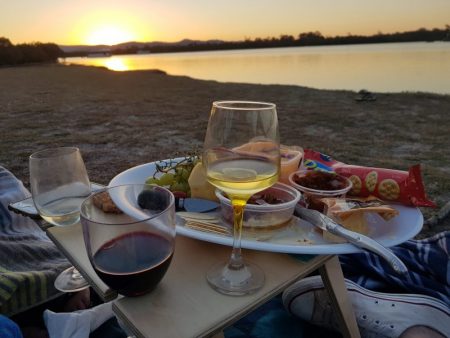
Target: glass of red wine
{"type": "Point", "coordinates": [129, 233]}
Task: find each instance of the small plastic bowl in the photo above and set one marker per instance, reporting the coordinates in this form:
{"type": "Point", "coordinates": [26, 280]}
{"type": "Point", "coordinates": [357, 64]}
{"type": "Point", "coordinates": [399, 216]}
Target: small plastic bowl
{"type": "Point", "coordinates": [312, 195]}
{"type": "Point", "coordinates": [266, 215]}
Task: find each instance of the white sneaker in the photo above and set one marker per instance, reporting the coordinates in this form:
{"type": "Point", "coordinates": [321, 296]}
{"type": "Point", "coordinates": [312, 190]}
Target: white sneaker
{"type": "Point", "coordinates": [377, 314]}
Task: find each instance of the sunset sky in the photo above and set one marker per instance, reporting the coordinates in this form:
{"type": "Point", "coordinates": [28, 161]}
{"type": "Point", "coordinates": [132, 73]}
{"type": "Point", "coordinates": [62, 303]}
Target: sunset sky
{"type": "Point", "coordinates": [110, 21]}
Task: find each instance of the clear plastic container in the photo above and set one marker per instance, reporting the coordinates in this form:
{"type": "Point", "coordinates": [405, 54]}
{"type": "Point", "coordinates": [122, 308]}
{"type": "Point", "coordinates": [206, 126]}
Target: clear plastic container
{"type": "Point", "coordinates": [266, 215]}
{"type": "Point", "coordinates": [291, 158]}
{"type": "Point", "coordinates": [311, 197]}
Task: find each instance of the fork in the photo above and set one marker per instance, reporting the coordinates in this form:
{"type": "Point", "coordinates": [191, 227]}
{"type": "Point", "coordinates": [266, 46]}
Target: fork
{"type": "Point", "coordinates": [208, 227]}
{"type": "Point", "coordinates": [204, 222]}
{"type": "Point", "coordinates": [197, 216]}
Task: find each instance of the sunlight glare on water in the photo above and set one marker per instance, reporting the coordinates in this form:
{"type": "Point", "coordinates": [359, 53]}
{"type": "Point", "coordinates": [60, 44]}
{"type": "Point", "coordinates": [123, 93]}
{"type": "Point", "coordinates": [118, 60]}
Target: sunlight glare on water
{"type": "Point", "coordinates": [116, 63]}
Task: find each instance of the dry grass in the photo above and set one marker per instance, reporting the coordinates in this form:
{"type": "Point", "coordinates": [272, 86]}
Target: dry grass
{"type": "Point", "coordinates": [120, 120]}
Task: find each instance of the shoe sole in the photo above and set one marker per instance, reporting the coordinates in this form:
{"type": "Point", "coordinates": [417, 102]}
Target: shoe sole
{"type": "Point", "coordinates": [435, 307]}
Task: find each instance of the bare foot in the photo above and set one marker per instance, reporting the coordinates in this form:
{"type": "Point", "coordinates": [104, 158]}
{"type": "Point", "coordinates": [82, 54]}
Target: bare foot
{"type": "Point", "coordinates": [79, 301]}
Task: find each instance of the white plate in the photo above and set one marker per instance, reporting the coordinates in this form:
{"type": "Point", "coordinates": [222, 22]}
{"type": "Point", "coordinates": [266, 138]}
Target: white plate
{"type": "Point", "coordinates": [298, 236]}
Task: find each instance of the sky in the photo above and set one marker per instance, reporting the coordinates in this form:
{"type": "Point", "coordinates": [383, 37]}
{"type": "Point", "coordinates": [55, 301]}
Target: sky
{"type": "Point", "coordinates": [73, 22]}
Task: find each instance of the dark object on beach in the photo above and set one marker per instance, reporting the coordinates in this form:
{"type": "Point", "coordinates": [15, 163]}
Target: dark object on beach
{"type": "Point", "coordinates": [365, 96]}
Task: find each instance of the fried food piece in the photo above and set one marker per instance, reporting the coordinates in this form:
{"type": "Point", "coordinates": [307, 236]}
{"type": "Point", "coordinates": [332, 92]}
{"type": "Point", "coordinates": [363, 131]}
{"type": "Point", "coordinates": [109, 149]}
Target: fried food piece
{"type": "Point", "coordinates": [104, 202]}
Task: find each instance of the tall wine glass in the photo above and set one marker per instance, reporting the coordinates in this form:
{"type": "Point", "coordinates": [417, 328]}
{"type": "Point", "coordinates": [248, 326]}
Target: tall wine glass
{"type": "Point", "coordinates": [59, 184]}
{"type": "Point", "coordinates": [242, 157]}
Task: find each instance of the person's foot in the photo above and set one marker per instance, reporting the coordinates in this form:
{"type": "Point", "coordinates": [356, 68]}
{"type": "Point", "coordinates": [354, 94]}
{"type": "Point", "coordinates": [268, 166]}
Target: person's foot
{"type": "Point", "coordinates": [377, 314]}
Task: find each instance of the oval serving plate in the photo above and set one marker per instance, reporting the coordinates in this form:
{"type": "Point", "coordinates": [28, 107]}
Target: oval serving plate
{"type": "Point", "coordinates": [298, 236]}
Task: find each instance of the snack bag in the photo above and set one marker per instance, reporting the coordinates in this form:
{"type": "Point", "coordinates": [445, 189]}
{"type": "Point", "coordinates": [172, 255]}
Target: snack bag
{"type": "Point", "coordinates": [404, 187]}
{"type": "Point", "coordinates": [352, 214]}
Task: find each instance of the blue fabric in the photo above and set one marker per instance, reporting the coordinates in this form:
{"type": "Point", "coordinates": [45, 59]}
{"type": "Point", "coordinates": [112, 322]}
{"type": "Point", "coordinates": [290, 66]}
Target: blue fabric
{"type": "Point", "coordinates": [271, 320]}
{"type": "Point", "coordinates": [9, 329]}
{"type": "Point", "coordinates": [428, 261]}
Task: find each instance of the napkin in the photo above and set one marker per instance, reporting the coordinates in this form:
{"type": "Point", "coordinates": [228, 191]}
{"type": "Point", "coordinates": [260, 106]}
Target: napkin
{"type": "Point", "coordinates": [77, 324]}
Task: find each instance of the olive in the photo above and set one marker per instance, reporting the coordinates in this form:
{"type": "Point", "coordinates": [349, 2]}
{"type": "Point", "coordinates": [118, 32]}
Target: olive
{"type": "Point", "coordinates": [151, 200]}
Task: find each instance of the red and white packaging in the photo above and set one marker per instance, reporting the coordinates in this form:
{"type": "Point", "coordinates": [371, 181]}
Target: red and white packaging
{"type": "Point", "coordinates": [405, 187]}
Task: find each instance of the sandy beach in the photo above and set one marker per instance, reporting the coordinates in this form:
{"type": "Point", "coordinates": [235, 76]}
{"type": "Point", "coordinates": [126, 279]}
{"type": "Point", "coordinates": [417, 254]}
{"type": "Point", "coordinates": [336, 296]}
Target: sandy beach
{"type": "Point", "coordinates": [123, 119]}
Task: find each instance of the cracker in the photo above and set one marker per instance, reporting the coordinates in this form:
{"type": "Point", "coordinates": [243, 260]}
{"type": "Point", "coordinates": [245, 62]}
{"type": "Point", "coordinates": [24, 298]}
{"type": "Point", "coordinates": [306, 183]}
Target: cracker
{"type": "Point", "coordinates": [356, 185]}
{"type": "Point", "coordinates": [389, 189]}
{"type": "Point", "coordinates": [371, 181]}
{"type": "Point", "coordinates": [104, 202]}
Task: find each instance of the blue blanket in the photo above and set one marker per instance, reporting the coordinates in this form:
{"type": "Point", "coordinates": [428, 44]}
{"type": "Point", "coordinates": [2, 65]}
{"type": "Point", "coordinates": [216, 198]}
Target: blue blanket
{"type": "Point", "coordinates": [9, 329]}
{"type": "Point", "coordinates": [428, 261]}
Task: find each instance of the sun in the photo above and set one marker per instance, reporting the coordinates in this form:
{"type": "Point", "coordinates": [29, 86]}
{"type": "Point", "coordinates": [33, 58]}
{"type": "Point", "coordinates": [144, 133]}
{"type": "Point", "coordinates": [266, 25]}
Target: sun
{"type": "Point", "coordinates": [110, 27]}
{"type": "Point", "coordinates": [109, 35]}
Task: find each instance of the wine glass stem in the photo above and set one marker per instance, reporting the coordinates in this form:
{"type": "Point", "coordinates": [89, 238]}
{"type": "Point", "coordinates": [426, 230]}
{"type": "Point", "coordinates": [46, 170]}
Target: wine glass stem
{"type": "Point", "coordinates": [76, 274]}
{"type": "Point", "coordinates": [236, 261]}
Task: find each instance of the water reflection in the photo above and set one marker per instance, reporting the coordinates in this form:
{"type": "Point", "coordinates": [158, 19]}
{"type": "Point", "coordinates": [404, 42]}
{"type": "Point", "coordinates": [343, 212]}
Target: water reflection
{"type": "Point", "coordinates": [116, 63]}
{"type": "Point", "coordinates": [390, 67]}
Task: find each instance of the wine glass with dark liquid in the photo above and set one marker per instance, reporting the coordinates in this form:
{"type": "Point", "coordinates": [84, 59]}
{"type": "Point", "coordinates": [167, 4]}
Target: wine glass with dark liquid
{"type": "Point", "coordinates": [59, 184]}
{"type": "Point", "coordinates": [241, 157]}
{"type": "Point", "coordinates": [129, 233]}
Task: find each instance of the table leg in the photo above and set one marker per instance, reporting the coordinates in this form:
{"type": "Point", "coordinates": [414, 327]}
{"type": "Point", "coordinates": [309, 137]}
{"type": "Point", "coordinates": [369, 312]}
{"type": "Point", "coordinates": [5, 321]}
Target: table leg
{"type": "Point", "coordinates": [333, 279]}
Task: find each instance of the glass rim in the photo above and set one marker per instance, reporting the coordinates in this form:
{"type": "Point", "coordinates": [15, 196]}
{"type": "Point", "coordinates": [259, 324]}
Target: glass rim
{"type": "Point", "coordinates": [171, 203]}
{"type": "Point", "coordinates": [53, 152]}
{"type": "Point", "coordinates": [240, 105]}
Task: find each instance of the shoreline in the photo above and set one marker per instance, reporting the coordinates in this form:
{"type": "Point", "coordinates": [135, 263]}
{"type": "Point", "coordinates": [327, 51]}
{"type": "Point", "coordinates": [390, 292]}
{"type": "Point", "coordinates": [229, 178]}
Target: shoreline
{"type": "Point", "coordinates": [123, 119]}
{"type": "Point", "coordinates": [390, 68]}
{"type": "Point", "coordinates": [157, 70]}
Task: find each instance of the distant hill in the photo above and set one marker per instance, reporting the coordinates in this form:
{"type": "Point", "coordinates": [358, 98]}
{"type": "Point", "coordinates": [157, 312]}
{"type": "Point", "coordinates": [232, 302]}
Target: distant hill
{"type": "Point", "coordinates": [135, 45]}
{"type": "Point", "coordinates": [89, 49]}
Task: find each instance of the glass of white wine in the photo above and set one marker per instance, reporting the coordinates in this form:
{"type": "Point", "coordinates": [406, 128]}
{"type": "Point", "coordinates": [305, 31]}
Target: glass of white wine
{"type": "Point", "coordinates": [241, 157]}
{"type": "Point", "coordinates": [59, 184]}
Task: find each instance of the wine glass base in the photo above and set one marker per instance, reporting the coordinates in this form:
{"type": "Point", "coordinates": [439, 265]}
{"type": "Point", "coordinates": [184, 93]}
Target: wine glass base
{"type": "Point", "coordinates": [236, 282]}
{"type": "Point", "coordinates": [70, 280]}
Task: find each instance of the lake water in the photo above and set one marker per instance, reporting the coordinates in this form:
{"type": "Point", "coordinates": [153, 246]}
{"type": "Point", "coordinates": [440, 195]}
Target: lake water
{"type": "Point", "coordinates": [388, 67]}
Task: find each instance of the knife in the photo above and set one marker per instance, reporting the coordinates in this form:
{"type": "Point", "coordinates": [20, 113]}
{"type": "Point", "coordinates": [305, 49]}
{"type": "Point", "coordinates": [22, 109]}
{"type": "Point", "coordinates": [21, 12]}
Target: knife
{"type": "Point", "coordinates": [325, 223]}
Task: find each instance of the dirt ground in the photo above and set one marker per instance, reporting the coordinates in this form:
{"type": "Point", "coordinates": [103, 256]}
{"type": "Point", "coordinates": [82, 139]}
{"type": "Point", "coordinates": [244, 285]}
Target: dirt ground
{"type": "Point", "coordinates": [122, 119]}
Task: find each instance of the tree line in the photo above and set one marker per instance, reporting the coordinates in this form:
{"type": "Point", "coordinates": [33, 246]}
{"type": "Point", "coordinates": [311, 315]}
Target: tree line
{"type": "Point", "coordinates": [314, 38]}
{"type": "Point", "coordinates": [28, 52]}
